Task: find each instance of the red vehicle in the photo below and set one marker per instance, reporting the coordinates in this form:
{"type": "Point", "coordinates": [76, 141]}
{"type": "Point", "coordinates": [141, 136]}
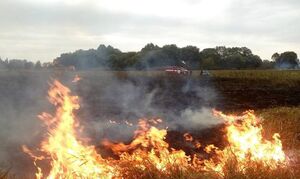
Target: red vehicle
{"type": "Point", "coordinates": [177, 70]}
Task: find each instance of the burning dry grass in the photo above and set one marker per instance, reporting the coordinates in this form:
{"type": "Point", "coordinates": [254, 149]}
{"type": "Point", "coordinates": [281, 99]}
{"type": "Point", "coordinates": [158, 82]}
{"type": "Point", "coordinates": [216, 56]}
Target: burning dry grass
{"type": "Point", "coordinates": [286, 121]}
{"type": "Point", "coordinates": [230, 170]}
{"type": "Point", "coordinates": [4, 174]}
{"type": "Point", "coordinates": [247, 155]}
{"type": "Point", "coordinates": [280, 120]}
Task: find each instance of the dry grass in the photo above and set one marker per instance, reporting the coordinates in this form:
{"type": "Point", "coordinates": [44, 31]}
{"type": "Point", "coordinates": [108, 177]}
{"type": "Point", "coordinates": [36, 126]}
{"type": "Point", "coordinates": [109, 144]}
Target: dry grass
{"type": "Point", "coordinates": [5, 174]}
{"type": "Point", "coordinates": [276, 77]}
{"type": "Point", "coordinates": [254, 170]}
{"type": "Point", "coordinates": [284, 120]}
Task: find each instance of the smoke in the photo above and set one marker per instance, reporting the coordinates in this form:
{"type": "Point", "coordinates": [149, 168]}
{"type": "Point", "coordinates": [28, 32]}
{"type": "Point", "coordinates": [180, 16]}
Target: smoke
{"type": "Point", "coordinates": [22, 97]}
{"type": "Point", "coordinates": [184, 103]}
{"type": "Point", "coordinates": [181, 102]}
{"type": "Point", "coordinates": [197, 120]}
{"type": "Point", "coordinates": [287, 65]}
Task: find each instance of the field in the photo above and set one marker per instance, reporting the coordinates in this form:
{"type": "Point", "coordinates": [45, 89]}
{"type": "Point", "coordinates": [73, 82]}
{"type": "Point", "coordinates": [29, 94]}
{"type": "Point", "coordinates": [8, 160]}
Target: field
{"type": "Point", "coordinates": [119, 96]}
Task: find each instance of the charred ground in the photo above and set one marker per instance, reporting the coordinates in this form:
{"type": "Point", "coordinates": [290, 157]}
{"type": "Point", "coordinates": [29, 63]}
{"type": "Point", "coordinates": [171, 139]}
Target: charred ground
{"type": "Point", "coordinates": [120, 96]}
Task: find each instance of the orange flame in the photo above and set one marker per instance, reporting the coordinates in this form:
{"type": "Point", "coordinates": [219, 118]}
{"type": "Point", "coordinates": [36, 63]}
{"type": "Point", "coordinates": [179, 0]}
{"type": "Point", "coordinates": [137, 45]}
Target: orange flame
{"type": "Point", "coordinates": [246, 144]}
{"type": "Point", "coordinates": [149, 145]}
{"type": "Point", "coordinates": [70, 156]}
{"type": "Point", "coordinates": [188, 137]}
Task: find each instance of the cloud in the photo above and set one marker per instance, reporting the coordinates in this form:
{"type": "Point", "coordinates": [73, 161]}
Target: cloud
{"type": "Point", "coordinates": [42, 30]}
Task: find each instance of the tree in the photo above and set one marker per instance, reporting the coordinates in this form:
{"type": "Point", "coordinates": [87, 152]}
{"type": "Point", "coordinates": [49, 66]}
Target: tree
{"type": "Point", "coordinates": [38, 65]}
{"type": "Point", "coordinates": [124, 61]}
{"type": "Point", "coordinates": [208, 63]}
{"type": "Point", "coordinates": [191, 56]}
{"type": "Point", "coordinates": [275, 56]}
{"type": "Point", "coordinates": [2, 64]}
{"type": "Point", "coordinates": [287, 60]}
{"type": "Point", "coordinates": [266, 64]}
{"type": "Point", "coordinates": [210, 58]}
{"type": "Point", "coordinates": [149, 47]}
{"type": "Point", "coordinates": [172, 52]}
{"type": "Point", "coordinates": [240, 58]}
{"type": "Point", "coordinates": [87, 59]}
{"type": "Point", "coordinates": [153, 56]}
{"type": "Point", "coordinates": [29, 65]}
{"type": "Point", "coordinates": [16, 64]}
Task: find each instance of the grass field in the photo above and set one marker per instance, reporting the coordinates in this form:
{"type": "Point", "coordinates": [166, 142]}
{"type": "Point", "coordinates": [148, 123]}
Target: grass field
{"type": "Point", "coordinates": [274, 95]}
{"type": "Point", "coordinates": [283, 120]}
{"type": "Point", "coordinates": [280, 118]}
{"type": "Point", "coordinates": [290, 78]}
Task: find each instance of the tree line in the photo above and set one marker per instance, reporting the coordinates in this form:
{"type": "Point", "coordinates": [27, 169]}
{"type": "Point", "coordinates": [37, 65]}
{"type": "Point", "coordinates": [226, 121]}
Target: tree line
{"type": "Point", "coordinates": [154, 57]}
{"type": "Point", "coordinates": [18, 64]}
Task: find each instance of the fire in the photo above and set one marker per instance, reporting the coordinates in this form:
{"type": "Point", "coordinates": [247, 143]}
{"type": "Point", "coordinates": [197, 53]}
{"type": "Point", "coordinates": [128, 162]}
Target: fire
{"type": "Point", "coordinates": [70, 156]}
{"type": "Point", "coordinates": [149, 145]}
{"type": "Point", "coordinates": [246, 144]}
{"type": "Point", "coordinates": [188, 137]}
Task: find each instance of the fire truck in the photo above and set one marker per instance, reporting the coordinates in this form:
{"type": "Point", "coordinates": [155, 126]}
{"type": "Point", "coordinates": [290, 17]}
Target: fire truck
{"type": "Point", "coordinates": [177, 70]}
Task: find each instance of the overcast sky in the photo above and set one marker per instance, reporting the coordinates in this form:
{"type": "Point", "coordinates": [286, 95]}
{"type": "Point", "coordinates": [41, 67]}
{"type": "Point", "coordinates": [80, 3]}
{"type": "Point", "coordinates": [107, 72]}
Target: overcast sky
{"type": "Point", "coordinates": [43, 29]}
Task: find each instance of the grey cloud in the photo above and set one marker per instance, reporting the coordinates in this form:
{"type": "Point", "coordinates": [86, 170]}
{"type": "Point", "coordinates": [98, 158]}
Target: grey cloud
{"type": "Point", "coordinates": [55, 26]}
{"type": "Point", "coordinates": [85, 17]}
{"type": "Point", "coordinates": [272, 19]}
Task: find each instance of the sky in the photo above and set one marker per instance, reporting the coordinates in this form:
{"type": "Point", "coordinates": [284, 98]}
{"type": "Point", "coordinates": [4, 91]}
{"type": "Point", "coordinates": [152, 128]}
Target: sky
{"type": "Point", "coordinates": [43, 29]}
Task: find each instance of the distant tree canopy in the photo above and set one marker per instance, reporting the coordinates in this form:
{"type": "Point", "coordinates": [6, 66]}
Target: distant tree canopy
{"type": "Point", "coordinates": [229, 58]}
{"type": "Point", "coordinates": [288, 60]}
{"type": "Point", "coordinates": [87, 59]}
{"type": "Point", "coordinates": [16, 64]}
{"type": "Point", "coordinates": [154, 57]}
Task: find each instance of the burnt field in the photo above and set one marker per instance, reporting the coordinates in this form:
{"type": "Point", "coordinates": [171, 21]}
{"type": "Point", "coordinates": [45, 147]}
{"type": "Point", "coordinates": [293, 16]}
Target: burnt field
{"type": "Point", "coordinates": [224, 90]}
{"type": "Point", "coordinates": [188, 100]}
{"type": "Point", "coordinates": [109, 101]}
{"type": "Point", "coordinates": [250, 89]}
